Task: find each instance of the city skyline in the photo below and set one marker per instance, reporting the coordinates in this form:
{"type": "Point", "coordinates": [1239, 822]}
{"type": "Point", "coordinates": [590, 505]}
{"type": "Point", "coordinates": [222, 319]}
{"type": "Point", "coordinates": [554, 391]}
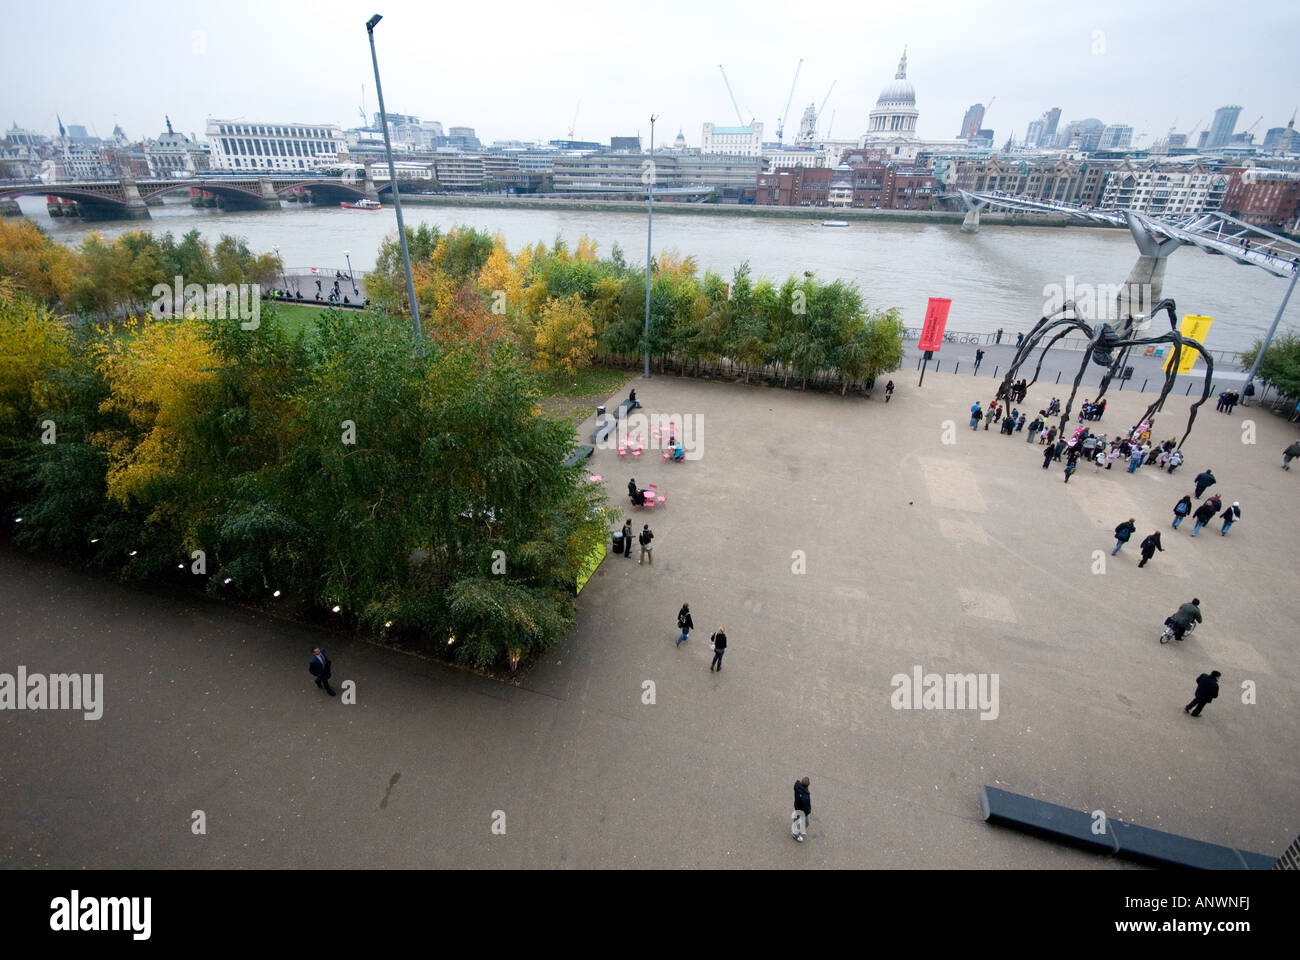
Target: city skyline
{"type": "Point", "coordinates": [530, 83]}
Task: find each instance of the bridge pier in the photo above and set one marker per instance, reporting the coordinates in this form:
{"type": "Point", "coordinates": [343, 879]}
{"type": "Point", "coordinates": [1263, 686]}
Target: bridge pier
{"type": "Point", "coordinates": [971, 222]}
{"type": "Point", "coordinates": [134, 209]}
{"type": "Point", "coordinates": [1146, 280]}
{"type": "Point", "coordinates": [10, 208]}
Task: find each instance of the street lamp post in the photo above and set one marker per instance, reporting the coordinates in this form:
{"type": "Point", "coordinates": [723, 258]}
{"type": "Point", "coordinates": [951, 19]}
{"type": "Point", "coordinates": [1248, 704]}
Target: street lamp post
{"type": "Point", "coordinates": [283, 275]}
{"type": "Point", "coordinates": [649, 227]}
{"type": "Point", "coordinates": [397, 200]}
{"type": "Point", "coordinates": [351, 279]}
{"type": "Point", "coordinates": [1259, 357]}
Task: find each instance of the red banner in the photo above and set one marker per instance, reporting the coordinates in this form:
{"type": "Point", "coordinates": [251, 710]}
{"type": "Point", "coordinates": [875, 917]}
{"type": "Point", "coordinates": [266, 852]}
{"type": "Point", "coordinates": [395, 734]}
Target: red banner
{"type": "Point", "coordinates": [936, 318]}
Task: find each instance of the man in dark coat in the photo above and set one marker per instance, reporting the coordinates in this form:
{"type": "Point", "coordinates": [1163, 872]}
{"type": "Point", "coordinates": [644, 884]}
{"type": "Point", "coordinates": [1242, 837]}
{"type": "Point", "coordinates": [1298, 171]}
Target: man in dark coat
{"type": "Point", "coordinates": [1289, 454]}
{"type": "Point", "coordinates": [1122, 534]}
{"type": "Point", "coordinates": [1205, 513]}
{"type": "Point", "coordinates": [319, 665]}
{"type": "Point", "coordinates": [627, 538]}
{"type": "Point", "coordinates": [1187, 614]}
{"type": "Point", "coordinates": [1204, 481]}
{"type": "Point", "coordinates": [1207, 688]}
{"type": "Point", "coordinates": [1149, 546]}
{"type": "Point", "coordinates": [802, 809]}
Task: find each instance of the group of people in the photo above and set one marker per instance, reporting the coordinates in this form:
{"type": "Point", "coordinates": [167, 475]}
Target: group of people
{"type": "Point", "coordinates": [1227, 400]}
{"type": "Point", "coordinates": [1089, 410]}
{"type": "Point", "coordinates": [1015, 393]}
{"type": "Point", "coordinates": [718, 639]}
{"type": "Point", "coordinates": [623, 542]}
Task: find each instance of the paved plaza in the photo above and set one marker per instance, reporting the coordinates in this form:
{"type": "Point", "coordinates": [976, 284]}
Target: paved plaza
{"type": "Point", "coordinates": [962, 558]}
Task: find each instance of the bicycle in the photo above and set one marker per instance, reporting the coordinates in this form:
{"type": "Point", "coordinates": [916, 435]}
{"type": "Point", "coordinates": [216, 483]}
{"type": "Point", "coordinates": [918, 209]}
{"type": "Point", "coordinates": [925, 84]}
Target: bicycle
{"type": "Point", "coordinates": [1171, 632]}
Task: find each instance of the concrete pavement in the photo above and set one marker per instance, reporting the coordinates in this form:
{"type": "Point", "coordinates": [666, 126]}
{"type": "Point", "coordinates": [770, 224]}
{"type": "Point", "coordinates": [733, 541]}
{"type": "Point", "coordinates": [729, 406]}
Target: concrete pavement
{"type": "Point", "coordinates": [960, 557]}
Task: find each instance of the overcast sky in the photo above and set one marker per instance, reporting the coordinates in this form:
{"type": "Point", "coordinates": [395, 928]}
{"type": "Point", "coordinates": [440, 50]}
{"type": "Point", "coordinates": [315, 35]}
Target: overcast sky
{"type": "Point", "coordinates": [512, 69]}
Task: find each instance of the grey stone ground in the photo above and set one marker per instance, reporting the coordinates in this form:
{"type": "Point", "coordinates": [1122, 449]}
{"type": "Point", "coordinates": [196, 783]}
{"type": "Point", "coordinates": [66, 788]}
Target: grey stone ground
{"type": "Point", "coordinates": [959, 558]}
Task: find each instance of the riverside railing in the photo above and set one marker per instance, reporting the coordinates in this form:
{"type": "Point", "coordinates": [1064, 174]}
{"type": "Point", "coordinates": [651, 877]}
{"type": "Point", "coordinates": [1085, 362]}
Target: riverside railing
{"type": "Point", "coordinates": [1067, 343]}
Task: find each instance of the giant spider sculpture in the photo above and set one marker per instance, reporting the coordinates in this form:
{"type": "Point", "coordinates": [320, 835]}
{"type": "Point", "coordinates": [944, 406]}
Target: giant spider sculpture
{"type": "Point", "coordinates": [1104, 341]}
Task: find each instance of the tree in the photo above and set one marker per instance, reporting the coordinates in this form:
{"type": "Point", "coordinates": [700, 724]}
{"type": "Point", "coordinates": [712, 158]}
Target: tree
{"type": "Point", "coordinates": [1281, 364]}
{"type": "Point", "coordinates": [565, 336]}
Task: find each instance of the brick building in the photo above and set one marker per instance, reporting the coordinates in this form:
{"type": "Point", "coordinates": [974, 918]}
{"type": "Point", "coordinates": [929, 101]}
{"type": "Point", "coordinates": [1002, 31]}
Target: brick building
{"type": "Point", "coordinates": [1266, 198]}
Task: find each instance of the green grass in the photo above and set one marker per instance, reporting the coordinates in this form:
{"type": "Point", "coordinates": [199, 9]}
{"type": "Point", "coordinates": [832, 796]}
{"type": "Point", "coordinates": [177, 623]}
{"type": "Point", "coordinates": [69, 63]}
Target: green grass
{"type": "Point", "coordinates": [574, 397]}
{"type": "Point", "coordinates": [298, 316]}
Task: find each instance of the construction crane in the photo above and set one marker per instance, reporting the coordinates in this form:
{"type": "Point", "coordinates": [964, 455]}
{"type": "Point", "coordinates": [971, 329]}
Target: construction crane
{"type": "Point", "coordinates": [739, 118]}
{"type": "Point", "coordinates": [970, 134]}
{"type": "Point", "coordinates": [1190, 141]}
{"type": "Point", "coordinates": [822, 108]}
{"type": "Point", "coordinates": [1251, 128]}
{"type": "Point", "coordinates": [780, 126]}
{"type": "Point", "coordinates": [574, 122]}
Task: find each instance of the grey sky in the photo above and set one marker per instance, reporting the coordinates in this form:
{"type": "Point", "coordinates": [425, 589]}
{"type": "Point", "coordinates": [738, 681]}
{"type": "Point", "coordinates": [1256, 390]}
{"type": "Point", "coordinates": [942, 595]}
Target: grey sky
{"type": "Point", "coordinates": [512, 69]}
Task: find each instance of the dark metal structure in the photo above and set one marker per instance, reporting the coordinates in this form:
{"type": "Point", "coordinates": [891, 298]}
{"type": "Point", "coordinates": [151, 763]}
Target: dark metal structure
{"type": "Point", "coordinates": [1107, 347]}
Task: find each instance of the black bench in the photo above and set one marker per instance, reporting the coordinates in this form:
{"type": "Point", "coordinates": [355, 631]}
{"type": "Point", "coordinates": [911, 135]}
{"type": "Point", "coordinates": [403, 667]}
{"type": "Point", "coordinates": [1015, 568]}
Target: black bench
{"type": "Point", "coordinates": [602, 431]}
{"type": "Point", "coordinates": [622, 410]}
{"type": "Point", "coordinates": [579, 455]}
{"type": "Point", "coordinates": [1052, 821]}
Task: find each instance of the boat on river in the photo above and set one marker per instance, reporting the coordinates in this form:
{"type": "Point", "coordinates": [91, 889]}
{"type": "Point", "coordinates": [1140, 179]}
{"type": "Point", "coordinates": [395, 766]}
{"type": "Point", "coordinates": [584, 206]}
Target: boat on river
{"type": "Point", "coordinates": [362, 205]}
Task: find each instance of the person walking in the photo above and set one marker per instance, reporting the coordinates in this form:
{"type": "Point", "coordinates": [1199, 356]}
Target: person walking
{"type": "Point", "coordinates": [684, 622]}
{"type": "Point", "coordinates": [1205, 513]}
{"type": "Point", "coordinates": [998, 337]}
{"type": "Point", "coordinates": [802, 809]}
{"type": "Point", "coordinates": [1207, 688]}
{"type": "Point", "coordinates": [627, 538]}
{"type": "Point", "coordinates": [719, 641]}
{"type": "Point", "coordinates": [1122, 534]}
{"type": "Point", "coordinates": [1204, 481]}
{"type": "Point", "coordinates": [319, 665]}
{"type": "Point", "coordinates": [975, 414]}
{"type": "Point", "coordinates": [1181, 509]}
{"type": "Point", "coordinates": [1149, 546]}
{"type": "Point", "coordinates": [889, 391]}
{"type": "Point", "coordinates": [979, 358]}
{"type": "Point", "coordinates": [1289, 454]}
{"type": "Point", "coordinates": [1231, 516]}
{"type": "Point", "coordinates": [1071, 465]}
{"type": "Point", "coordinates": [1020, 422]}
{"type": "Point", "coordinates": [1135, 459]}
{"type": "Point", "coordinates": [647, 546]}
{"type": "Point", "coordinates": [1048, 455]}
{"type": "Point", "coordinates": [1248, 393]}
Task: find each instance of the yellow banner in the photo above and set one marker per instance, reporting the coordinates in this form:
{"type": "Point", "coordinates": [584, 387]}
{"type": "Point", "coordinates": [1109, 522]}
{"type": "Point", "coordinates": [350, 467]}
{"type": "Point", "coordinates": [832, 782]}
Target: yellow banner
{"type": "Point", "coordinates": [1196, 328]}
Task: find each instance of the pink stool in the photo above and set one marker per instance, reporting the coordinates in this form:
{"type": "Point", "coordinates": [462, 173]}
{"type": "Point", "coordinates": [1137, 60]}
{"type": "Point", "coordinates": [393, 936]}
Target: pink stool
{"type": "Point", "coordinates": [622, 451]}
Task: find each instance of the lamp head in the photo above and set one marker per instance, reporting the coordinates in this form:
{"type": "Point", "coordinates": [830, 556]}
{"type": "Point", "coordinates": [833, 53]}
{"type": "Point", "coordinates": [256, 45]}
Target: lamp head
{"type": "Point", "coordinates": [370, 24]}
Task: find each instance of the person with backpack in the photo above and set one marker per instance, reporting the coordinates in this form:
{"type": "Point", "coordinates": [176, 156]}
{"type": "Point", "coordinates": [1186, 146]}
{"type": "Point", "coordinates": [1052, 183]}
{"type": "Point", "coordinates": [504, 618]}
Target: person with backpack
{"type": "Point", "coordinates": [976, 414]}
{"type": "Point", "coordinates": [1122, 534]}
{"type": "Point", "coordinates": [1181, 509]}
{"type": "Point", "coordinates": [684, 622]}
{"type": "Point", "coordinates": [647, 546]}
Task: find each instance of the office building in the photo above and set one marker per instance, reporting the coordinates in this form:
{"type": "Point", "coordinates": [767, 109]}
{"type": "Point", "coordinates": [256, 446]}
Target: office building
{"type": "Point", "coordinates": [245, 147]}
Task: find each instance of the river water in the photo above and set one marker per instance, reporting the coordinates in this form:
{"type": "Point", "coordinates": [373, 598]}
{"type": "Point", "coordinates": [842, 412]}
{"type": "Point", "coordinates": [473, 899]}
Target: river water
{"type": "Point", "coordinates": [999, 277]}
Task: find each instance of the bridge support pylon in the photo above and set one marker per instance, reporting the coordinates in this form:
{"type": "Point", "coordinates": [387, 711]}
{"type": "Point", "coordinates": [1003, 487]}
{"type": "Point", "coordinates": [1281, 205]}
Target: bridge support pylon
{"type": "Point", "coordinates": [135, 208]}
{"type": "Point", "coordinates": [971, 222]}
{"type": "Point", "coordinates": [1146, 280]}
